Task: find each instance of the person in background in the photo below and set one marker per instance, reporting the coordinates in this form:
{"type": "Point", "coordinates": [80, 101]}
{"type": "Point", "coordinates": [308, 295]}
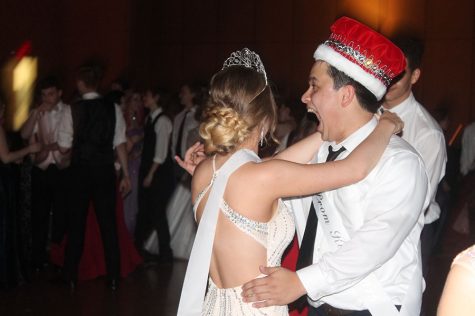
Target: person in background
{"type": "Point", "coordinates": [91, 130]}
{"type": "Point", "coordinates": [423, 132]}
{"type": "Point", "coordinates": [10, 256]}
{"type": "Point", "coordinates": [156, 181]}
{"type": "Point", "coordinates": [48, 177]}
{"type": "Point", "coordinates": [185, 121]}
{"type": "Point", "coordinates": [134, 118]}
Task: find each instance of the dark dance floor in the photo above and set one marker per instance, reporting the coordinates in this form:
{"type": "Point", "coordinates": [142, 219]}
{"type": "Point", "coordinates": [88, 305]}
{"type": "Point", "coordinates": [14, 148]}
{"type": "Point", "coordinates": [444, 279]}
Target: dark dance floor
{"type": "Point", "coordinates": [155, 290]}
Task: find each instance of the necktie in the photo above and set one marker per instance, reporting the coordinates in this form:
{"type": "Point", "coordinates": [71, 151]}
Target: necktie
{"type": "Point", "coordinates": [305, 257]}
{"type": "Point", "coordinates": [180, 135]}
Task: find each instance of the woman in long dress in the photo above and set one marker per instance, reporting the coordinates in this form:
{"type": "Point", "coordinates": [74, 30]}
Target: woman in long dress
{"type": "Point", "coordinates": [243, 224]}
{"type": "Point", "coordinates": [9, 243]}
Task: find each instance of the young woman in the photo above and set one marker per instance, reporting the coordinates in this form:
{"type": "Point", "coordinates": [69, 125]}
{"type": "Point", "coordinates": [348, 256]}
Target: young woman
{"type": "Point", "coordinates": [243, 224]}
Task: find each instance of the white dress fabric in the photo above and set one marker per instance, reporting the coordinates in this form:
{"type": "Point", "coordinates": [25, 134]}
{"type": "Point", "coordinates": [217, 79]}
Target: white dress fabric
{"type": "Point", "coordinates": [274, 235]}
{"type": "Point", "coordinates": [181, 222]}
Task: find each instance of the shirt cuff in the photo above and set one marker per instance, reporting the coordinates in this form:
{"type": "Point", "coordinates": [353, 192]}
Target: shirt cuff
{"type": "Point", "coordinates": [158, 160]}
{"type": "Point", "coordinates": [312, 280]}
{"type": "Point", "coordinates": [65, 143]}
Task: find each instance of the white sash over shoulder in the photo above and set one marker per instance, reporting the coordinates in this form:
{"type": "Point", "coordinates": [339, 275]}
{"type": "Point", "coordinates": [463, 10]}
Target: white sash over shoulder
{"type": "Point", "coordinates": [377, 300]}
{"type": "Point", "coordinates": [196, 277]}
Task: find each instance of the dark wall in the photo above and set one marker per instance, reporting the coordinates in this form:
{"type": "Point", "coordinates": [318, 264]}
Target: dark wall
{"type": "Point", "coordinates": [168, 43]}
{"type": "Point", "coordinates": [179, 41]}
{"type": "Point", "coordinates": [66, 34]}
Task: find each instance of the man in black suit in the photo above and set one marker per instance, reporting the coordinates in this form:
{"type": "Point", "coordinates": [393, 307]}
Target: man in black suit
{"type": "Point", "coordinates": [91, 131]}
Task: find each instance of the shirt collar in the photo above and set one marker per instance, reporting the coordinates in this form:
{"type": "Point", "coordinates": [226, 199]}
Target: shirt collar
{"type": "Point", "coordinates": [58, 106]}
{"type": "Point", "coordinates": [403, 107]}
{"type": "Point", "coordinates": [357, 137]}
{"type": "Point", "coordinates": [90, 95]}
{"type": "Point", "coordinates": [155, 112]}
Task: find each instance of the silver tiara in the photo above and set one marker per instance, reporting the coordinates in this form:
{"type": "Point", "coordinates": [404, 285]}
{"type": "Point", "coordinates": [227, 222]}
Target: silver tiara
{"type": "Point", "coordinates": [246, 58]}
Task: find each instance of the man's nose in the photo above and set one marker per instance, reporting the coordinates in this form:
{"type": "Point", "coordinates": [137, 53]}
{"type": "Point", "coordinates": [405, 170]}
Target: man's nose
{"type": "Point", "coordinates": [306, 97]}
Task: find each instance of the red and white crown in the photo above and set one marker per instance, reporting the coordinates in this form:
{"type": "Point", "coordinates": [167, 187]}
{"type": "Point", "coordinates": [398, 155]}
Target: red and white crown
{"type": "Point", "coordinates": [363, 54]}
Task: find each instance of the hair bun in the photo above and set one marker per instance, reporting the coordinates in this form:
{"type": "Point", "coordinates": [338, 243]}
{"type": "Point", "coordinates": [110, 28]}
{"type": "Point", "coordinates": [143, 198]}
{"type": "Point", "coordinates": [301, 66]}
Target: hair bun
{"type": "Point", "coordinates": [222, 129]}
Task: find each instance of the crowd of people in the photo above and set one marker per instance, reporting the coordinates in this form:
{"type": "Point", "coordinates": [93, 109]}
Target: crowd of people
{"type": "Point", "coordinates": [100, 167]}
{"type": "Point", "coordinates": [364, 208]}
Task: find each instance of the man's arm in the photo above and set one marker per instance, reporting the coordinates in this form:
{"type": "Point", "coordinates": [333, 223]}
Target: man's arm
{"type": "Point", "coordinates": [431, 147]}
{"type": "Point", "coordinates": [7, 156]}
{"type": "Point", "coordinates": [65, 138]}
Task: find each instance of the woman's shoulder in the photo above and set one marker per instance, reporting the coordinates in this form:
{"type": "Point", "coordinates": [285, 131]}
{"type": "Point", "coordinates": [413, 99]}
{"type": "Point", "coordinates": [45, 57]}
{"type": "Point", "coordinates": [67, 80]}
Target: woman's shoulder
{"type": "Point", "coordinates": [466, 259]}
{"type": "Point", "coordinates": [203, 172]}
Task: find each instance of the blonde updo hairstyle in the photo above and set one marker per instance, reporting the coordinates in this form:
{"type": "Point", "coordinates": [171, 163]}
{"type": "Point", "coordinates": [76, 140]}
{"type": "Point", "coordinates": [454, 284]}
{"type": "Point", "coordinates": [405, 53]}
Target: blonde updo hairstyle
{"type": "Point", "coordinates": [239, 102]}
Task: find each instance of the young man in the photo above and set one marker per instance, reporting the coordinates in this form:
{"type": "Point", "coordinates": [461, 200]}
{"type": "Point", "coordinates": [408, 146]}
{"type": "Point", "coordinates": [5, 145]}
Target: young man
{"type": "Point", "coordinates": [90, 132]}
{"type": "Point", "coordinates": [48, 177]}
{"type": "Point", "coordinates": [363, 258]}
{"type": "Point", "coordinates": [184, 123]}
{"type": "Point", "coordinates": [423, 132]}
{"type": "Point", "coordinates": [156, 181]}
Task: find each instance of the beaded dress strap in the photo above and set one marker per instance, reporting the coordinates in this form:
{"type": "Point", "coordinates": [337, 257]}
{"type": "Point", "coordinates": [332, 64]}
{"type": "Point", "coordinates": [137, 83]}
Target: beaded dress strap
{"type": "Point", "coordinates": [257, 230]}
{"type": "Point", "coordinates": [203, 192]}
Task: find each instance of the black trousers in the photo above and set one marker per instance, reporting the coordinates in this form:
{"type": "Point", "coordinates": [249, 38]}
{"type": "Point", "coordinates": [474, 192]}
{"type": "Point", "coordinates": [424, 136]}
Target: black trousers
{"type": "Point", "coordinates": [96, 184]}
{"type": "Point", "coordinates": [152, 209]}
{"type": "Point", "coordinates": [312, 311]}
{"type": "Point", "coordinates": [48, 196]}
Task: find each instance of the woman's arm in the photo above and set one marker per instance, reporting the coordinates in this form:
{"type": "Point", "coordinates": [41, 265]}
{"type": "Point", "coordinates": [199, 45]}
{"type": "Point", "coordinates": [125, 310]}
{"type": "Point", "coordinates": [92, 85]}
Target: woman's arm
{"type": "Point", "coordinates": [27, 129]}
{"type": "Point", "coordinates": [302, 151]}
{"type": "Point", "coordinates": [8, 156]}
{"type": "Point", "coordinates": [457, 297]}
{"type": "Point", "coordinates": [282, 178]}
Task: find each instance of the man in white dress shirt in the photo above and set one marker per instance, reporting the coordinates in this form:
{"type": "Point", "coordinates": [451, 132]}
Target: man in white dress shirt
{"type": "Point", "coordinates": [364, 257]}
{"type": "Point", "coordinates": [184, 123]}
{"type": "Point", "coordinates": [467, 155]}
{"type": "Point", "coordinates": [423, 132]}
{"type": "Point", "coordinates": [156, 182]}
{"type": "Point", "coordinates": [467, 169]}
{"type": "Point", "coordinates": [48, 179]}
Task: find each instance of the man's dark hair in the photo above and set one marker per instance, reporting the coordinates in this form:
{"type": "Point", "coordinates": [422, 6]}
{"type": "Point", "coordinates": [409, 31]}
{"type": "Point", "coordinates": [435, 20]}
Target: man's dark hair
{"type": "Point", "coordinates": [49, 82]}
{"type": "Point", "coordinates": [367, 99]}
{"type": "Point", "coordinates": [413, 49]}
{"type": "Point", "coordinates": [89, 75]}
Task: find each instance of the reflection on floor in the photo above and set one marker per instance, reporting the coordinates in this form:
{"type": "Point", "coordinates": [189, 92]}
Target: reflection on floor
{"type": "Point", "coordinates": [155, 290]}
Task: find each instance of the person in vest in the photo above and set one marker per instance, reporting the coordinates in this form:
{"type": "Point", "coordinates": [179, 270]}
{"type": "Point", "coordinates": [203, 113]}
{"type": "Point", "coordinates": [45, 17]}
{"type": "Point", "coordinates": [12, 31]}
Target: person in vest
{"type": "Point", "coordinates": [359, 245]}
{"type": "Point", "coordinates": [90, 132]}
{"type": "Point", "coordinates": [156, 179]}
{"type": "Point", "coordinates": [48, 177]}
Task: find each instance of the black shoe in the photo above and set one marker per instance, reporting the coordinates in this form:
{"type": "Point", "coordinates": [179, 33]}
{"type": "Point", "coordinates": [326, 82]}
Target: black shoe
{"type": "Point", "coordinates": [73, 284]}
{"type": "Point", "coordinates": [113, 284]}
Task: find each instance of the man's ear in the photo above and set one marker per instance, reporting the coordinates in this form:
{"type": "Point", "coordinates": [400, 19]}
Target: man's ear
{"type": "Point", "coordinates": [348, 94]}
{"type": "Point", "coordinates": [415, 75]}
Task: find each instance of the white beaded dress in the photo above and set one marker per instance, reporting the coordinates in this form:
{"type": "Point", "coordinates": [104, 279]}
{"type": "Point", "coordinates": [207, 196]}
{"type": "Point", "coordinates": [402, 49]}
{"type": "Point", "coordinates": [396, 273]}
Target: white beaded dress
{"type": "Point", "coordinates": [274, 235]}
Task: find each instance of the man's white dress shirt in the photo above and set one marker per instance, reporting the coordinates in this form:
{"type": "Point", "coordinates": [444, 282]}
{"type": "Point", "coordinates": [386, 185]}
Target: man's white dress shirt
{"type": "Point", "coordinates": [423, 132]}
{"type": "Point", "coordinates": [383, 216]}
{"type": "Point", "coordinates": [467, 156]}
{"type": "Point", "coordinates": [163, 129]}
{"type": "Point", "coordinates": [46, 129]}
{"type": "Point", "coordinates": [187, 118]}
